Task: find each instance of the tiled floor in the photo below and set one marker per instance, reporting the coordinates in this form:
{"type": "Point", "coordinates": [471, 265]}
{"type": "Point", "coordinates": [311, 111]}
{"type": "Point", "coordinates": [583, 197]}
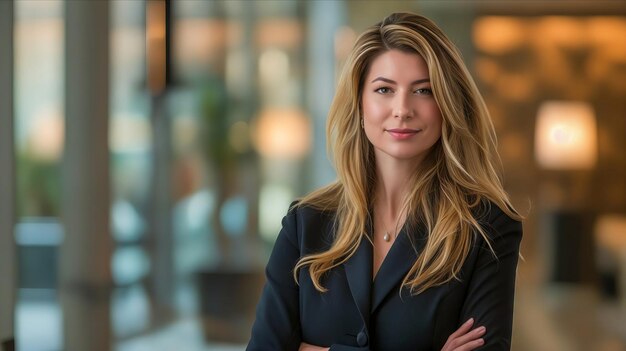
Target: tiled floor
{"type": "Point", "coordinates": [547, 317]}
{"type": "Point", "coordinates": [563, 317]}
{"type": "Point", "coordinates": [557, 318]}
{"type": "Point", "coordinates": [568, 318]}
{"type": "Point", "coordinates": [182, 335]}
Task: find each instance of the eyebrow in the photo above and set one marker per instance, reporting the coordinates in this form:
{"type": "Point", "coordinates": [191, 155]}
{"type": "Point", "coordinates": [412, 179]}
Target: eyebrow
{"type": "Point", "coordinates": [386, 80]}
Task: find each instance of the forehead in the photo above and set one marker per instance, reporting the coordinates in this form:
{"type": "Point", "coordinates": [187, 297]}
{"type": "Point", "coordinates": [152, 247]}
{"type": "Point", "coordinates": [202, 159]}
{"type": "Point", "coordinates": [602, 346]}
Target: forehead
{"type": "Point", "coordinates": [399, 66]}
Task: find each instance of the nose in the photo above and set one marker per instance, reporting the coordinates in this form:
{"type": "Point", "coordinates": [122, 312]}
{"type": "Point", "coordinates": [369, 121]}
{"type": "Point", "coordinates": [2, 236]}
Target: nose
{"type": "Point", "coordinates": [402, 108]}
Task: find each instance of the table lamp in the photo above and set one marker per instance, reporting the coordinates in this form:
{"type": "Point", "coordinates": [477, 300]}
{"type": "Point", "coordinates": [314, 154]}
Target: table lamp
{"type": "Point", "coordinates": [566, 146]}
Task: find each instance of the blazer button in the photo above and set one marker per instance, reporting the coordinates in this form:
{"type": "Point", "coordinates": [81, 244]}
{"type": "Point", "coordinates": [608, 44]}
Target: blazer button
{"type": "Point", "coordinates": [361, 339]}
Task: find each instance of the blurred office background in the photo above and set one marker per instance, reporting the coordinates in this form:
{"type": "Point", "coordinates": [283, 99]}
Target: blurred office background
{"type": "Point", "coordinates": [149, 149]}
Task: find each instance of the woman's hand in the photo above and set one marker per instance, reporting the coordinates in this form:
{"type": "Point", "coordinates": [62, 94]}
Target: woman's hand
{"type": "Point", "coordinates": [307, 347]}
{"type": "Point", "coordinates": [464, 339]}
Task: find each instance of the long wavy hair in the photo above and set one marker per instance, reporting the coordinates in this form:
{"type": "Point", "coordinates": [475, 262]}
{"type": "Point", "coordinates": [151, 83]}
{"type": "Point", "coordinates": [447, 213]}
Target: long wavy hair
{"type": "Point", "coordinates": [458, 174]}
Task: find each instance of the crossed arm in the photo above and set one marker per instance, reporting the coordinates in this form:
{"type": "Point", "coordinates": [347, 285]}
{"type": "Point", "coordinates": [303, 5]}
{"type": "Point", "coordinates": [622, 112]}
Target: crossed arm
{"type": "Point", "coordinates": [463, 339]}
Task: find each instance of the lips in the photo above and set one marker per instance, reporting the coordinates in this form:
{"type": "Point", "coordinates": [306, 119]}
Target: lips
{"type": "Point", "coordinates": [402, 133]}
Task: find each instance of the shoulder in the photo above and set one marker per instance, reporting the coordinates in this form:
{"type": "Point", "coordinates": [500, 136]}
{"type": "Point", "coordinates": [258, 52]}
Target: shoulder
{"type": "Point", "coordinates": [503, 235]}
{"type": "Point", "coordinates": [303, 212]}
{"type": "Point", "coordinates": [497, 223]}
{"type": "Point", "coordinates": [312, 228]}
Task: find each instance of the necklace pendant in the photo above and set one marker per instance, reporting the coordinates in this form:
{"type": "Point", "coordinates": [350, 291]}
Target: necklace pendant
{"type": "Point", "coordinates": [387, 237]}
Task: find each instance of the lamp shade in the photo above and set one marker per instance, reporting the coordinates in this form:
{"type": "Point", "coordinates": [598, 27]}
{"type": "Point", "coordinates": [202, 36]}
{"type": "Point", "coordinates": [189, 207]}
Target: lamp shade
{"type": "Point", "coordinates": [565, 135]}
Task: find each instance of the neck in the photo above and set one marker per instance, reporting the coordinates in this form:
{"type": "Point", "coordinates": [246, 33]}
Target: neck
{"type": "Point", "coordinates": [392, 185]}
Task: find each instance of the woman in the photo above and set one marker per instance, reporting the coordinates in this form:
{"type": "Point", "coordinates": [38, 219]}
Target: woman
{"type": "Point", "coordinates": [416, 242]}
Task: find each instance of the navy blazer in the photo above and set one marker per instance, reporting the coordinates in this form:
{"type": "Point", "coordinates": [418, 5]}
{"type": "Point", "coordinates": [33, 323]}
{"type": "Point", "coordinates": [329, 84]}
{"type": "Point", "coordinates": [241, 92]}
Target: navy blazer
{"type": "Point", "coordinates": [357, 313]}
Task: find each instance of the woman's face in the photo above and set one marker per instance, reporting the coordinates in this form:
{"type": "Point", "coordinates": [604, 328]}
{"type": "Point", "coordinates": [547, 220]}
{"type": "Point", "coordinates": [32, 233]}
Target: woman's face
{"type": "Point", "coordinates": [401, 117]}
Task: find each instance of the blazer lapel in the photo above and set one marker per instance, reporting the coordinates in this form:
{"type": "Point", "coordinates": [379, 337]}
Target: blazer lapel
{"type": "Point", "coordinates": [397, 264]}
{"type": "Point", "coordinates": [358, 271]}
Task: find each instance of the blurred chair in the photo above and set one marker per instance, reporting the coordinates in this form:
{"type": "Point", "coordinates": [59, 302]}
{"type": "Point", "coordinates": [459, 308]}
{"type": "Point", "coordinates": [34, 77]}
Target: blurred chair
{"type": "Point", "coordinates": [571, 253]}
{"type": "Point", "coordinates": [38, 241]}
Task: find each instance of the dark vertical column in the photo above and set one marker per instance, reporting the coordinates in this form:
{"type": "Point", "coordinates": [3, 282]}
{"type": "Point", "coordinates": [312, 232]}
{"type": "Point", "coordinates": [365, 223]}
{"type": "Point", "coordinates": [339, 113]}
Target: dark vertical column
{"type": "Point", "coordinates": [162, 243]}
{"type": "Point", "coordinates": [7, 180]}
{"type": "Point", "coordinates": [159, 77]}
{"type": "Point", "coordinates": [85, 255]}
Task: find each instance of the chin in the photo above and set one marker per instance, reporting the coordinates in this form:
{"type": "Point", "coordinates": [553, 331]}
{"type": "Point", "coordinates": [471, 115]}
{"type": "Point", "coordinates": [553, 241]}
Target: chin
{"type": "Point", "coordinates": [404, 152]}
{"type": "Point", "coordinates": [407, 156]}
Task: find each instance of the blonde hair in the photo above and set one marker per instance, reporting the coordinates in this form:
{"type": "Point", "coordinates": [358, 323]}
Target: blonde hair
{"type": "Point", "coordinates": [455, 178]}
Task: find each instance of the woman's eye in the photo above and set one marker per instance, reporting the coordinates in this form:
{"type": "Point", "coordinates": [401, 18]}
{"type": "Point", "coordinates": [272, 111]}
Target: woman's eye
{"type": "Point", "coordinates": [383, 90]}
{"type": "Point", "coordinates": [424, 91]}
